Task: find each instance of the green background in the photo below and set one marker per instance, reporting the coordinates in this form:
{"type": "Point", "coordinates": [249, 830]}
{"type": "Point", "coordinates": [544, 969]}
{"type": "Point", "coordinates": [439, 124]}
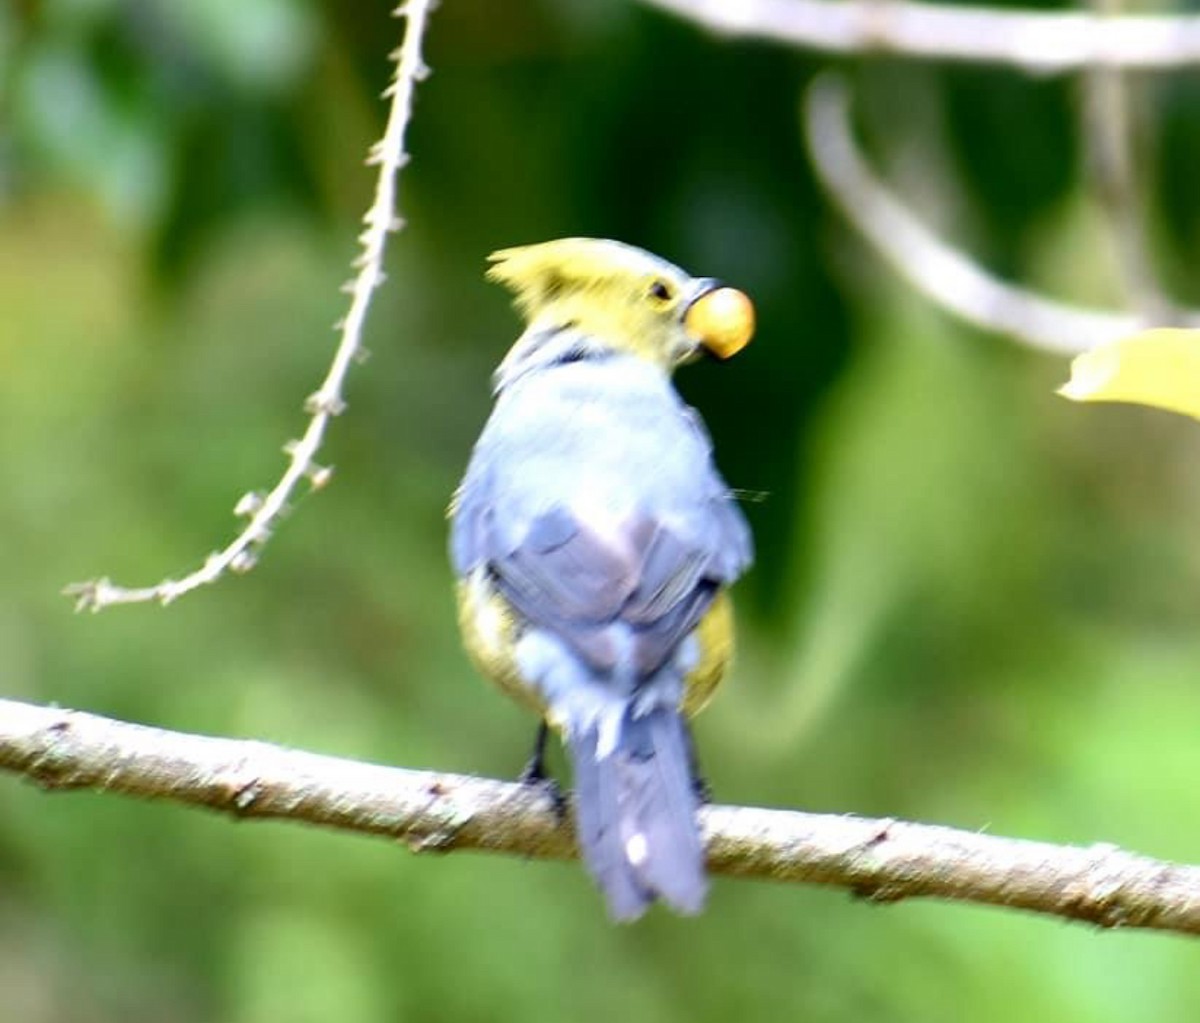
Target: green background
{"type": "Point", "coordinates": [974, 603]}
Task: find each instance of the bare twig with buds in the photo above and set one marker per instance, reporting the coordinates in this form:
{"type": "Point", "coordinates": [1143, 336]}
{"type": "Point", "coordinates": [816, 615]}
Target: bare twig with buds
{"type": "Point", "coordinates": [263, 510]}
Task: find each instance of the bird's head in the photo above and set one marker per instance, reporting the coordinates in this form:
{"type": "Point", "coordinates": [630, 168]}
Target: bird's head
{"type": "Point", "coordinates": [623, 298]}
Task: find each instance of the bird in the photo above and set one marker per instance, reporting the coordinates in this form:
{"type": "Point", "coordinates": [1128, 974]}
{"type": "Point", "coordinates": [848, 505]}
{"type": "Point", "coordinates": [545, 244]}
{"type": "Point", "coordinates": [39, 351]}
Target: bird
{"type": "Point", "coordinates": [593, 541]}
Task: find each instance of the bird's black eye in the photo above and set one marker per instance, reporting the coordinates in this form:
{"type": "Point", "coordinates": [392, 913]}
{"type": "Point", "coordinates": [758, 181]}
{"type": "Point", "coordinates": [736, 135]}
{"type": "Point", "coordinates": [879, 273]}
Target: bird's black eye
{"type": "Point", "coordinates": [660, 291]}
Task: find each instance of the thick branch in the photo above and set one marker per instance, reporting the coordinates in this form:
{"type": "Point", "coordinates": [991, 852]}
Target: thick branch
{"type": "Point", "coordinates": [884, 861]}
{"type": "Point", "coordinates": [1030, 40]}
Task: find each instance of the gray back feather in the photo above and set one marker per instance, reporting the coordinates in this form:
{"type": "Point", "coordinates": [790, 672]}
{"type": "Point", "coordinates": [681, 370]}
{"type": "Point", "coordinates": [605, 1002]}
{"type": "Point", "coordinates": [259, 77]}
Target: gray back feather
{"type": "Point", "coordinates": [592, 498]}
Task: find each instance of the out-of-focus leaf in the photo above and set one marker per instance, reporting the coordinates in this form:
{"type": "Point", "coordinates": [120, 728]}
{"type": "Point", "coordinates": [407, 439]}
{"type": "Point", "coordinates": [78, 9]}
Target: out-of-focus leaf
{"type": "Point", "coordinates": [1159, 368]}
{"type": "Point", "coordinates": [264, 45]}
{"type": "Point", "coordinates": [90, 134]}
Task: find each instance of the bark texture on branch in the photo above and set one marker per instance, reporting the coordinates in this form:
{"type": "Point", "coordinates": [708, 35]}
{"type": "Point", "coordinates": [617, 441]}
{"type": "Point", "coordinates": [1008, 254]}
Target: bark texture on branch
{"type": "Point", "coordinates": [882, 860]}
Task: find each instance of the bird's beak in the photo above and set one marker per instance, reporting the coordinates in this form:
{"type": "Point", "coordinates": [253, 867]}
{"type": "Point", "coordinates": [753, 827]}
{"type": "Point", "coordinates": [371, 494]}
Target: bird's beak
{"type": "Point", "coordinates": [719, 318]}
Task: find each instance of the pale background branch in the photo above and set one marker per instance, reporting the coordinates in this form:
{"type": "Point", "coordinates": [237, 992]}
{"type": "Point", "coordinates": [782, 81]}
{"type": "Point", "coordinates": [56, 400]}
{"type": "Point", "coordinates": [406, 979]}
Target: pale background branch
{"type": "Point", "coordinates": [1027, 40]}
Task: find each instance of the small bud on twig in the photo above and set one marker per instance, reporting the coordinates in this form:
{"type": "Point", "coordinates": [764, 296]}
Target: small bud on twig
{"type": "Point", "coordinates": [319, 475]}
{"type": "Point", "coordinates": [242, 562]}
{"type": "Point", "coordinates": [248, 504]}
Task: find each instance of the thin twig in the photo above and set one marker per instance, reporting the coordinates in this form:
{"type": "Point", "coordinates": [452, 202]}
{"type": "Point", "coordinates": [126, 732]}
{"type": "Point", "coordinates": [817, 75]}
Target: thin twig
{"type": "Point", "coordinates": [1029, 40]}
{"type": "Point", "coordinates": [881, 860]}
{"type": "Point", "coordinates": [264, 510]}
{"type": "Point", "coordinates": [943, 273]}
{"type": "Point", "coordinates": [1108, 132]}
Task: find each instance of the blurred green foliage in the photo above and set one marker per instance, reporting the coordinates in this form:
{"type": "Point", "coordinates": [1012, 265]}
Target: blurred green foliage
{"type": "Point", "coordinates": [974, 603]}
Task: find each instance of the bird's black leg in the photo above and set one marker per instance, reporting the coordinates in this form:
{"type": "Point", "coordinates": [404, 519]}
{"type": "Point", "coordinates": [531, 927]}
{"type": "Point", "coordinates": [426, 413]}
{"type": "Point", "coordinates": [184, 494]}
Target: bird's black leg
{"type": "Point", "coordinates": [534, 773]}
{"type": "Point", "coordinates": [535, 768]}
{"type": "Point", "coordinates": [699, 784]}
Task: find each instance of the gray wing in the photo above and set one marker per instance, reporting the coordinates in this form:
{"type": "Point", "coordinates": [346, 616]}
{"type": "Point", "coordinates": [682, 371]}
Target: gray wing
{"type": "Point", "coordinates": [560, 571]}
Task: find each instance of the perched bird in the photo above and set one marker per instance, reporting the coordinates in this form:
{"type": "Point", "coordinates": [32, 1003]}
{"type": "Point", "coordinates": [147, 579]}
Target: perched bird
{"type": "Point", "coordinates": [593, 540]}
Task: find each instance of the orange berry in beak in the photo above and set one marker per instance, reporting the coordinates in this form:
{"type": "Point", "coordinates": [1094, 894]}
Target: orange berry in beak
{"type": "Point", "coordinates": [722, 320]}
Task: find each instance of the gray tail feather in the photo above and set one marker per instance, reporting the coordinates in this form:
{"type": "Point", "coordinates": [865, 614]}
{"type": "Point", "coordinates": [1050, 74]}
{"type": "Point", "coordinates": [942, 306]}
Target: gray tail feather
{"type": "Point", "coordinates": [644, 787]}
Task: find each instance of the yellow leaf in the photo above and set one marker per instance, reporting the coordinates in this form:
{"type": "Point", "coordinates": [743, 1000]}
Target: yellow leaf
{"type": "Point", "coordinates": [1159, 368]}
